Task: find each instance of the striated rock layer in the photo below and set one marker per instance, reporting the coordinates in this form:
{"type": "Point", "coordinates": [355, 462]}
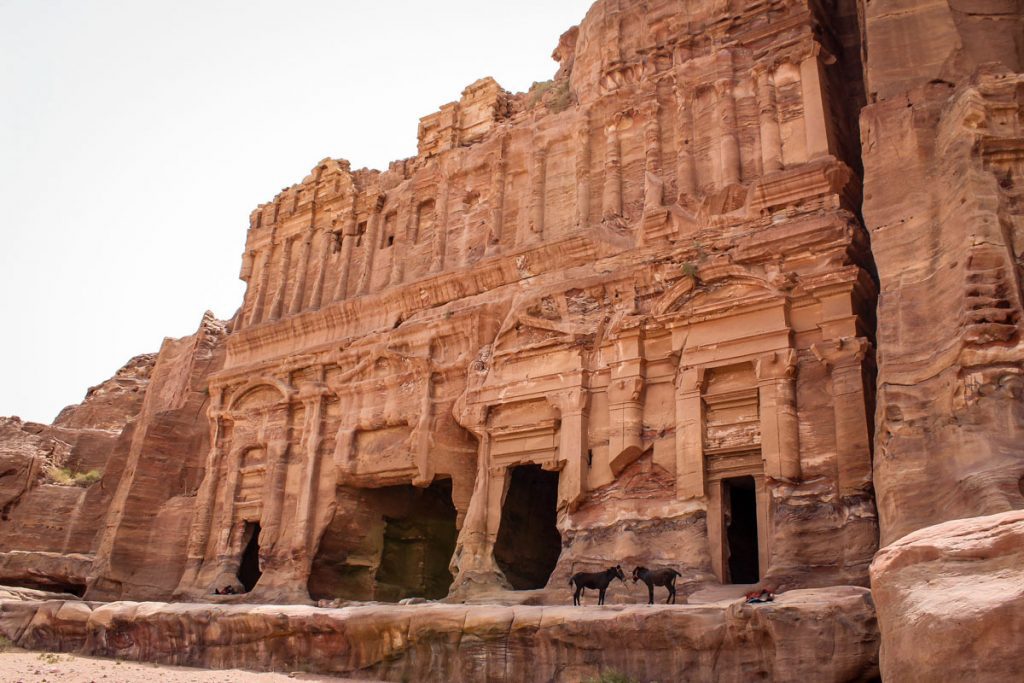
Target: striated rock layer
{"type": "Point", "coordinates": [819, 635]}
{"type": "Point", "coordinates": [951, 601]}
{"type": "Point", "coordinates": [943, 169]}
{"type": "Point", "coordinates": [60, 485]}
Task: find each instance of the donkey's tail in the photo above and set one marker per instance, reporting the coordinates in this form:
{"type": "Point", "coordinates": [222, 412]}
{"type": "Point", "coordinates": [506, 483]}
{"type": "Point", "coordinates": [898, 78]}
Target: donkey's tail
{"type": "Point", "coordinates": [571, 579]}
{"type": "Point", "coordinates": [675, 572]}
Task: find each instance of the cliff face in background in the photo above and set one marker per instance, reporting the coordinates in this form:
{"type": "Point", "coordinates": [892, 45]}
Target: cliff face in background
{"type": "Point", "coordinates": [943, 154]}
{"type": "Point", "coordinates": [737, 292]}
{"type": "Point", "coordinates": [943, 150]}
{"type": "Point", "coordinates": [63, 486]}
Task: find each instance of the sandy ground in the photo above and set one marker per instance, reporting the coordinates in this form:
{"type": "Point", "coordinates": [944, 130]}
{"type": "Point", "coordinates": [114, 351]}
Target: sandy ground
{"type": "Point", "coordinates": [21, 666]}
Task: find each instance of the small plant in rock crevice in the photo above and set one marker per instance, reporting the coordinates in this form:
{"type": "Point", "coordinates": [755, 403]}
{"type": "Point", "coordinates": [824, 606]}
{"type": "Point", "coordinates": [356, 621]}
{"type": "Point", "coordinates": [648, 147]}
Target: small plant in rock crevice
{"type": "Point", "coordinates": [612, 676]}
{"type": "Point", "coordinates": [64, 476]}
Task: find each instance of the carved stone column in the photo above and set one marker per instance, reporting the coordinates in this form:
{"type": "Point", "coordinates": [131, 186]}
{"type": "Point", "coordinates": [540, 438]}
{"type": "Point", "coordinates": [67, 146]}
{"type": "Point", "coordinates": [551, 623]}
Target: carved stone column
{"type": "Point", "coordinates": [729, 143]}
{"type": "Point", "coordinates": [686, 172]}
{"type": "Point", "coordinates": [780, 436]}
{"type": "Point", "coordinates": [625, 404]}
{"type": "Point", "coordinates": [421, 456]}
{"type": "Point", "coordinates": [815, 118]}
{"type": "Point", "coordinates": [611, 197]}
{"type": "Point", "coordinates": [256, 316]}
{"type": "Point", "coordinates": [538, 187]}
{"type": "Point", "coordinates": [474, 553]}
{"type": "Point", "coordinates": [406, 238]}
{"type": "Point", "coordinates": [441, 225]}
{"type": "Point", "coordinates": [845, 360]}
{"type": "Point", "coordinates": [771, 137]}
{"type": "Point", "coordinates": [312, 396]}
{"type": "Point", "coordinates": [277, 306]}
{"type": "Point", "coordinates": [348, 239]}
{"type": "Point", "coordinates": [572, 447]}
{"type": "Point", "coordinates": [689, 433]}
{"type": "Point", "coordinates": [303, 268]}
{"type": "Point", "coordinates": [497, 200]}
{"type": "Point", "coordinates": [583, 170]}
{"type": "Point", "coordinates": [223, 521]}
{"type": "Point", "coordinates": [274, 492]}
{"type": "Point", "coordinates": [372, 243]}
{"type": "Point", "coordinates": [317, 297]}
{"type": "Point", "coordinates": [653, 183]}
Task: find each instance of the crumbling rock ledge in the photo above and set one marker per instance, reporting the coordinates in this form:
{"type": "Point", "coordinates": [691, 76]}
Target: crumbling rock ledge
{"type": "Point", "coordinates": [821, 635]}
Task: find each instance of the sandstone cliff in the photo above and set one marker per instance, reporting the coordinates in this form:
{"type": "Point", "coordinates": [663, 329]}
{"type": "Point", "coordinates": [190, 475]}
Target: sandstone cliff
{"type": "Point", "coordinates": [738, 292]}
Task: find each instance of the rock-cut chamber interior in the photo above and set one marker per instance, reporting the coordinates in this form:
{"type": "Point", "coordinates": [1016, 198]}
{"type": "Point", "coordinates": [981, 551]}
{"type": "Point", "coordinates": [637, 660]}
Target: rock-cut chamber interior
{"type": "Point", "coordinates": [740, 502]}
{"type": "Point", "coordinates": [528, 543]}
{"type": "Point", "coordinates": [387, 544]}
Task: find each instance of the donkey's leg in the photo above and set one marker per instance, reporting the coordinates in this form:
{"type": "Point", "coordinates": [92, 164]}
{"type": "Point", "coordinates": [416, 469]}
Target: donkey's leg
{"type": "Point", "coordinates": [650, 594]}
{"type": "Point", "coordinates": [600, 600]}
{"type": "Point", "coordinates": [672, 592]}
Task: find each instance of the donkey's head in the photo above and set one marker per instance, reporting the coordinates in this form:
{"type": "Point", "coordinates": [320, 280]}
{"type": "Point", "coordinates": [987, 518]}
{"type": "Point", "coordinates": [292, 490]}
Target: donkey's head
{"type": "Point", "coordinates": [617, 571]}
{"type": "Point", "coordinates": [636, 573]}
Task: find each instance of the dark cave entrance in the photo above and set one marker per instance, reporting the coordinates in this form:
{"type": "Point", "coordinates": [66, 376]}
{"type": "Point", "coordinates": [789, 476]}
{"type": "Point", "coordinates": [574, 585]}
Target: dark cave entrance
{"type": "Point", "coordinates": [387, 544]}
{"type": "Point", "coordinates": [740, 498]}
{"type": "Point", "coordinates": [419, 540]}
{"type": "Point", "coordinates": [54, 586]}
{"type": "Point", "coordinates": [249, 568]}
{"type": "Point", "coordinates": [528, 543]}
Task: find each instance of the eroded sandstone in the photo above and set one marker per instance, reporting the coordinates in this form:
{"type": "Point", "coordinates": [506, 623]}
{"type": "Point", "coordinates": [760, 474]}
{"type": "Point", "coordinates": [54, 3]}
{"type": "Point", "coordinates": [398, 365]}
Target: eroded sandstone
{"type": "Point", "coordinates": [820, 635]}
{"type": "Point", "coordinates": [951, 601]}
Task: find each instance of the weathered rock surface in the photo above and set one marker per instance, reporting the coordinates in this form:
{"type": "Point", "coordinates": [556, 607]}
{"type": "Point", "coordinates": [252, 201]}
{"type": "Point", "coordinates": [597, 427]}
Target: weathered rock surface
{"type": "Point", "coordinates": [624, 317]}
{"type": "Point", "coordinates": [943, 199]}
{"type": "Point", "coordinates": [950, 601]}
{"type": "Point", "coordinates": [819, 635]}
{"type": "Point", "coordinates": [140, 545]}
{"type": "Point", "coordinates": [52, 516]}
{"type": "Point", "coordinates": [56, 481]}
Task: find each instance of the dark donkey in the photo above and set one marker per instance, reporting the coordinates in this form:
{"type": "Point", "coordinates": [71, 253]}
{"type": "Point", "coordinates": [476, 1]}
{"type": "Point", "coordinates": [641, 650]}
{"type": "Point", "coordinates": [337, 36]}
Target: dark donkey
{"type": "Point", "coordinates": [657, 577]}
{"type": "Point", "coordinates": [598, 580]}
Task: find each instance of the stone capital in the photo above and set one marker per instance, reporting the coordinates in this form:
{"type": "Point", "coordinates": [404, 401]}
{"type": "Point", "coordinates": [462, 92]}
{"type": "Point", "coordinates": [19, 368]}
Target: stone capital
{"type": "Point", "coordinates": [625, 390]}
{"type": "Point", "coordinates": [690, 380]}
{"type": "Point", "coordinates": [776, 365]}
{"type": "Point", "coordinates": [842, 352]}
{"type": "Point", "coordinates": [311, 391]}
{"type": "Point", "coordinates": [571, 402]}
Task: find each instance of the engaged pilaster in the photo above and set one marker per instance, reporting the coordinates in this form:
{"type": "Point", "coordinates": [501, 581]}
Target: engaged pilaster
{"type": "Point", "coordinates": [844, 359]}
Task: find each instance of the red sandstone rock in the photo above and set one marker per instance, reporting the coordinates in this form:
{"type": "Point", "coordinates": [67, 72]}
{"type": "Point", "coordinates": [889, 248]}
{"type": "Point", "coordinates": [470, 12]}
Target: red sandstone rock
{"type": "Point", "coordinates": [951, 601]}
{"type": "Point", "coordinates": [942, 159]}
{"type": "Point", "coordinates": [805, 635]}
{"type": "Point", "coordinates": [628, 316]}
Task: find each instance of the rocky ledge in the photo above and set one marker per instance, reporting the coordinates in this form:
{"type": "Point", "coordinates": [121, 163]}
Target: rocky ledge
{"type": "Point", "coordinates": [821, 635]}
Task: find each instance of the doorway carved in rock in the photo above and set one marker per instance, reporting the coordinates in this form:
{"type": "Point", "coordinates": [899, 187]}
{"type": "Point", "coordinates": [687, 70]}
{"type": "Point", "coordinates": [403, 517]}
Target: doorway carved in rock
{"type": "Point", "coordinates": [528, 542]}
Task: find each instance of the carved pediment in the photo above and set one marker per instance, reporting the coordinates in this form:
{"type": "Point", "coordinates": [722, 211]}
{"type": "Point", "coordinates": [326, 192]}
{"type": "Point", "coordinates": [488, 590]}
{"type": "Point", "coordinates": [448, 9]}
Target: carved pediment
{"type": "Point", "coordinates": [259, 394]}
{"type": "Point", "coordinates": [716, 286]}
{"type": "Point", "coordinates": [557, 318]}
{"type": "Point", "coordinates": [379, 365]}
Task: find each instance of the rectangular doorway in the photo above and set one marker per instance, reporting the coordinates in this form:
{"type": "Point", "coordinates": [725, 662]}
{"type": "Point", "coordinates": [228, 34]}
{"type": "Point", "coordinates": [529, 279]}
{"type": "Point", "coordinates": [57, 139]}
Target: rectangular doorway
{"type": "Point", "coordinates": [739, 511]}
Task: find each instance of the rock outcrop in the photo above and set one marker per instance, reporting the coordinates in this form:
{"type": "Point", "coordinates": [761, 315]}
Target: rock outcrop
{"type": "Point", "coordinates": [951, 601]}
{"type": "Point", "coordinates": [819, 635]}
{"type": "Point", "coordinates": [943, 188]}
{"type": "Point", "coordinates": [60, 483]}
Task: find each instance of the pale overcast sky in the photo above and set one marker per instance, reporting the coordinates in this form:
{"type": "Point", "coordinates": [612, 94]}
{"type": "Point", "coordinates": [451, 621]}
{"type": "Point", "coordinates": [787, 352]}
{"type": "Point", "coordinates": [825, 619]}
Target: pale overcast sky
{"type": "Point", "coordinates": [137, 135]}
